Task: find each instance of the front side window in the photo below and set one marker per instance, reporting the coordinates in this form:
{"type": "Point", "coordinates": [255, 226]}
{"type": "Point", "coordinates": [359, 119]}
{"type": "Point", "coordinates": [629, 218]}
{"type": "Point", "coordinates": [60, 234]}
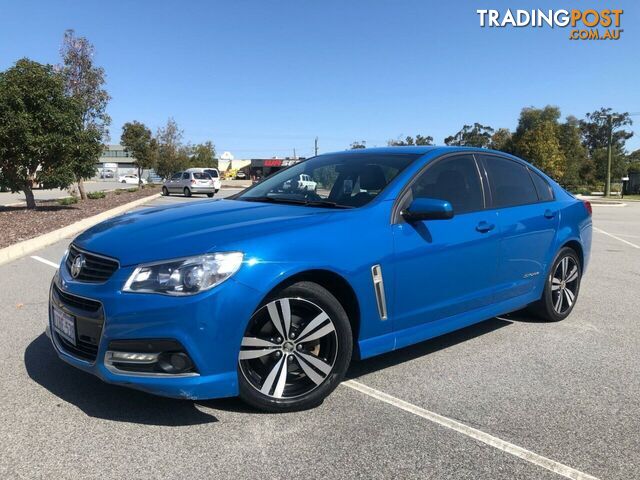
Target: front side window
{"type": "Point", "coordinates": [339, 180]}
{"type": "Point", "coordinates": [176, 176]}
{"type": "Point", "coordinates": [510, 182]}
{"type": "Point", "coordinates": [454, 179]}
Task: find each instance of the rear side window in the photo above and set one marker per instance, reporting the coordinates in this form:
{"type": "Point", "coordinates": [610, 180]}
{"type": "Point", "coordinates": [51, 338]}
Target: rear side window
{"type": "Point", "coordinates": [185, 176]}
{"type": "Point", "coordinates": [545, 194]}
{"type": "Point", "coordinates": [454, 179]}
{"type": "Point", "coordinates": [510, 182]}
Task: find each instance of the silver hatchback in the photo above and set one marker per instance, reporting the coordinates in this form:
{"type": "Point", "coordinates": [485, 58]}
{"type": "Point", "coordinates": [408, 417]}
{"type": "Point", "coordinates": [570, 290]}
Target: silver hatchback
{"type": "Point", "coordinates": [189, 183]}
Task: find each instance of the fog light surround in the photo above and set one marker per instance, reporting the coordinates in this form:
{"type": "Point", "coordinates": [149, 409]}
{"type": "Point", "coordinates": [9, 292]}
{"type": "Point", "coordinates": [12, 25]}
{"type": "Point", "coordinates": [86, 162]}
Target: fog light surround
{"type": "Point", "coordinates": [160, 357]}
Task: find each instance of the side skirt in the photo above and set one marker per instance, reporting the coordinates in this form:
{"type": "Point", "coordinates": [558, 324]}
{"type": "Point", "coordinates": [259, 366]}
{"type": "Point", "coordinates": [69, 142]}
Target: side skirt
{"type": "Point", "coordinates": [409, 336]}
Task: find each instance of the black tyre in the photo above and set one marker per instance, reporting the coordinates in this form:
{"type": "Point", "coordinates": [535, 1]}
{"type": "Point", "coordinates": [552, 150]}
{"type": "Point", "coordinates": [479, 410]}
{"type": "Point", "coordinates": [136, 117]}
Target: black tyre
{"type": "Point", "coordinates": [561, 288]}
{"type": "Point", "coordinates": [187, 192]}
{"type": "Point", "coordinates": [295, 350]}
{"type": "Point", "coordinates": [210, 195]}
{"type": "Point", "coordinates": [165, 191]}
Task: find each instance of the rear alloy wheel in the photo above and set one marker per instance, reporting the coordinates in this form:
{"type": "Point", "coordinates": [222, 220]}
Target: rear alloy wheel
{"type": "Point", "coordinates": [210, 195]}
{"type": "Point", "coordinates": [295, 350]}
{"type": "Point", "coordinates": [187, 192]}
{"type": "Point", "coordinates": [165, 191]}
{"type": "Point", "coordinates": [561, 288]}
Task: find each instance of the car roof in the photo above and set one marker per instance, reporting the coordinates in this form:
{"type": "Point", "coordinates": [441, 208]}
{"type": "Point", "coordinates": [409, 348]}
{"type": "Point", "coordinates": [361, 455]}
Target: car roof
{"type": "Point", "coordinates": [420, 150]}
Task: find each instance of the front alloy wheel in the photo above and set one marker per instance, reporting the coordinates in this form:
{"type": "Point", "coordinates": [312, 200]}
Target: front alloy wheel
{"type": "Point", "coordinates": [295, 349]}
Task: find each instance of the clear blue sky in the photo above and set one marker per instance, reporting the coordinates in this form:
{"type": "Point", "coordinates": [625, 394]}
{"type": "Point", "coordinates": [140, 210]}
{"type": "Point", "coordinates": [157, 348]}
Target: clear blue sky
{"type": "Point", "coordinates": [260, 78]}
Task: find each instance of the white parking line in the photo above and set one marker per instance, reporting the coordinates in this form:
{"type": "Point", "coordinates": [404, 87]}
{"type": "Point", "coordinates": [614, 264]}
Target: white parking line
{"type": "Point", "coordinates": [45, 261]}
{"type": "Point", "coordinates": [617, 238]}
{"type": "Point", "coordinates": [474, 433]}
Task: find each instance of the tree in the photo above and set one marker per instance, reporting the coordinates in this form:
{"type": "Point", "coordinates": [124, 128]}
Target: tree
{"type": "Point", "coordinates": [577, 164]}
{"type": "Point", "coordinates": [408, 141]}
{"type": "Point", "coordinates": [39, 127]}
{"type": "Point", "coordinates": [137, 140]}
{"type": "Point", "coordinates": [84, 81]}
{"type": "Point", "coordinates": [501, 140]}
{"type": "Point", "coordinates": [358, 144]}
{"type": "Point", "coordinates": [204, 155]}
{"type": "Point", "coordinates": [596, 128]}
{"type": "Point", "coordinates": [172, 155]}
{"type": "Point", "coordinates": [476, 135]}
{"type": "Point", "coordinates": [537, 139]}
{"type": "Point", "coordinates": [633, 162]}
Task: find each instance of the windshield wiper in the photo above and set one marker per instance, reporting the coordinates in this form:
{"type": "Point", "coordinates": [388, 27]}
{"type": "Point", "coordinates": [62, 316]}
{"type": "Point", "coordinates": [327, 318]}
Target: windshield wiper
{"type": "Point", "coordinates": [295, 201]}
{"type": "Point", "coordinates": [326, 203]}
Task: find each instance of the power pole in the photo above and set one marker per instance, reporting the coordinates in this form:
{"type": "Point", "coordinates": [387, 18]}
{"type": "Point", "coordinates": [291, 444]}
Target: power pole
{"type": "Point", "coordinates": [607, 186]}
{"type": "Point", "coordinates": [316, 146]}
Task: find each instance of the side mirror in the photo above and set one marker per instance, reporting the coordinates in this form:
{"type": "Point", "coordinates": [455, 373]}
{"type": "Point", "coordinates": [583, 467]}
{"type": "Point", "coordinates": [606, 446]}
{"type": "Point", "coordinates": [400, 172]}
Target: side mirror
{"type": "Point", "coordinates": [427, 209]}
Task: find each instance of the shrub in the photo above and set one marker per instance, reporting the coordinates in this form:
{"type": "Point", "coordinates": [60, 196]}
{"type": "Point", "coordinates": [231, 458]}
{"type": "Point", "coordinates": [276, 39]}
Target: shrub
{"type": "Point", "coordinates": [134, 189]}
{"type": "Point", "coordinates": [96, 195]}
{"type": "Point", "coordinates": [67, 201]}
{"type": "Point", "coordinates": [117, 192]}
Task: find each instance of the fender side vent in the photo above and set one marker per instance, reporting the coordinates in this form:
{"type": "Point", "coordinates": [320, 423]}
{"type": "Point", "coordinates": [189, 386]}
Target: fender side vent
{"type": "Point", "coordinates": [378, 287]}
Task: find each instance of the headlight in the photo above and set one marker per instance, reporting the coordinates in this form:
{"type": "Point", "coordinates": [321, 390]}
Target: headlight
{"type": "Point", "coordinates": [184, 276]}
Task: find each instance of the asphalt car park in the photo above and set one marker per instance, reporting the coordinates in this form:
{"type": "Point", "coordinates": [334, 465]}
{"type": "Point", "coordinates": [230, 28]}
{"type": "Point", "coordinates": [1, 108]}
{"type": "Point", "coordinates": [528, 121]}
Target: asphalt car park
{"type": "Point", "coordinates": [507, 398]}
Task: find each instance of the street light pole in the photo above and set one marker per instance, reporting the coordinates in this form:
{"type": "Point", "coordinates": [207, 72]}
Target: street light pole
{"type": "Point", "coordinates": [607, 186]}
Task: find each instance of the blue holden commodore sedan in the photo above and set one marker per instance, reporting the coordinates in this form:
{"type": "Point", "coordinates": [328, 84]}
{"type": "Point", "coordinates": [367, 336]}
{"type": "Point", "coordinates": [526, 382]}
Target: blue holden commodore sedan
{"type": "Point", "coordinates": [271, 293]}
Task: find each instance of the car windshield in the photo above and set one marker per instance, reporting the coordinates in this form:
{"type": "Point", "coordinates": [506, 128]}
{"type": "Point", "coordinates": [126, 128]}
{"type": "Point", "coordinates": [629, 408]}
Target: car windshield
{"type": "Point", "coordinates": [342, 180]}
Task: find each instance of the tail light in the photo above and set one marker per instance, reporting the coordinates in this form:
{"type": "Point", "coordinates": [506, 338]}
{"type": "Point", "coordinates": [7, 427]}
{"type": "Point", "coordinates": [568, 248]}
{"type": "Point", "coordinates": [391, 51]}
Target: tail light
{"type": "Point", "coordinates": [193, 182]}
{"type": "Point", "coordinates": [587, 206]}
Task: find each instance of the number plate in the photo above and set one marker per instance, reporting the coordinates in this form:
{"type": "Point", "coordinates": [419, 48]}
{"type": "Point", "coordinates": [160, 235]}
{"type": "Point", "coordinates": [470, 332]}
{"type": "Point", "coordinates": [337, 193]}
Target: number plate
{"type": "Point", "coordinates": [65, 325]}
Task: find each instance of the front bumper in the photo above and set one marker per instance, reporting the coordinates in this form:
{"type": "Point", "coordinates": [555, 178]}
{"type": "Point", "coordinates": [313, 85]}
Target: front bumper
{"type": "Point", "coordinates": [209, 326]}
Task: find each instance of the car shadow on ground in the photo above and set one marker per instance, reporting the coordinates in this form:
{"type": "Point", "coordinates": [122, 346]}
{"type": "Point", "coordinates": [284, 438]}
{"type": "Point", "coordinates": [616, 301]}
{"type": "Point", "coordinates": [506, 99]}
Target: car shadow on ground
{"type": "Point", "coordinates": [427, 347]}
{"type": "Point", "coordinates": [100, 400]}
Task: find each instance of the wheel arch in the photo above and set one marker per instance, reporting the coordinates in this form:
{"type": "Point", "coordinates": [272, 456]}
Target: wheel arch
{"type": "Point", "coordinates": [577, 247]}
{"type": "Point", "coordinates": [338, 286]}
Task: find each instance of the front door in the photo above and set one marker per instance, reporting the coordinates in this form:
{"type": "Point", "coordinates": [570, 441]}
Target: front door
{"type": "Point", "coordinates": [445, 267]}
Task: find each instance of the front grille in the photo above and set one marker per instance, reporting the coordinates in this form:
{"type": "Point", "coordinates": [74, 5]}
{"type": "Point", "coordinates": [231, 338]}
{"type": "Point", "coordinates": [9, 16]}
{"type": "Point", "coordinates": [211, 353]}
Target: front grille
{"type": "Point", "coordinates": [96, 268]}
{"type": "Point", "coordinates": [89, 319]}
{"type": "Point", "coordinates": [76, 302]}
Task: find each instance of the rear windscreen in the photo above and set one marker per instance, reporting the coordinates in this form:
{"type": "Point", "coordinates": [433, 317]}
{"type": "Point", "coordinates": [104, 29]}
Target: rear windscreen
{"type": "Point", "coordinates": [201, 176]}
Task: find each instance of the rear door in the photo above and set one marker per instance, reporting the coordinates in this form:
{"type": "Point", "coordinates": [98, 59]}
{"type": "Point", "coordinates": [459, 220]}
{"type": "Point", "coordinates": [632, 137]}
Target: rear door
{"type": "Point", "coordinates": [185, 181]}
{"type": "Point", "coordinates": [528, 220]}
{"type": "Point", "coordinates": [444, 267]}
{"type": "Point", "coordinates": [172, 185]}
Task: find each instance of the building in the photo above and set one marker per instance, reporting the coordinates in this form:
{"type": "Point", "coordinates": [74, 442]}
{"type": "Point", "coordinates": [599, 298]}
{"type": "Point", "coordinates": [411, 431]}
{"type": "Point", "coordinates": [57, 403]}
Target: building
{"type": "Point", "coordinates": [263, 167]}
{"type": "Point", "coordinates": [114, 162]}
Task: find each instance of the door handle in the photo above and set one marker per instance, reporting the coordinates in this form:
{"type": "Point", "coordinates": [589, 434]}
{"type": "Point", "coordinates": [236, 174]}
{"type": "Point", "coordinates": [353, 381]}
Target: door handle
{"type": "Point", "coordinates": [484, 227]}
{"type": "Point", "coordinates": [549, 214]}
